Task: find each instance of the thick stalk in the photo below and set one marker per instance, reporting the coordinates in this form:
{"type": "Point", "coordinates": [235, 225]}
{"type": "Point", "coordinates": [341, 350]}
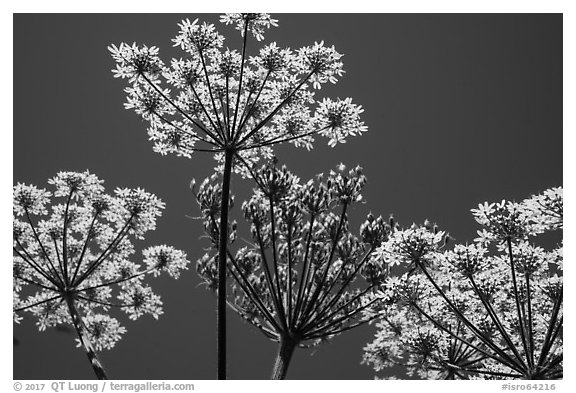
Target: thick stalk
{"type": "Point", "coordinates": [85, 340]}
{"type": "Point", "coordinates": [285, 351]}
{"type": "Point", "coordinates": [222, 252]}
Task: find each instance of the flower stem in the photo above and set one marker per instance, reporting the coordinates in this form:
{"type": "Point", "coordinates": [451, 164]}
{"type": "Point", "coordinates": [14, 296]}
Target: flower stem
{"type": "Point", "coordinates": [518, 308]}
{"type": "Point", "coordinates": [283, 357]}
{"type": "Point", "coordinates": [222, 251]}
{"type": "Point", "coordinates": [85, 340]}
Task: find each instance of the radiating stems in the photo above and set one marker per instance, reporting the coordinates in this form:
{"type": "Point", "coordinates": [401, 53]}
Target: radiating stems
{"type": "Point", "coordinates": [212, 95]}
{"type": "Point", "coordinates": [344, 285]}
{"type": "Point", "coordinates": [548, 339]}
{"type": "Point", "coordinates": [282, 313]}
{"type": "Point", "coordinates": [249, 290]}
{"type": "Point", "coordinates": [50, 299]}
{"type": "Point", "coordinates": [86, 241]}
{"type": "Point", "coordinates": [57, 252]}
{"type": "Point", "coordinates": [310, 304]}
{"type": "Point", "coordinates": [512, 365]}
{"type": "Point", "coordinates": [495, 319]}
{"type": "Point", "coordinates": [517, 299]}
{"type": "Point", "coordinates": [121, 280]}
{"type": "Point", "coordinates": [271, 114]}
{"type": "Point", "coordinates": [316, 320]}
{"type": "Point", "coordinates": [37, 284]}
{"type": "Point", "coordinates": [222, 252]}
{"type": "Point", "coordinates": [64, 241]}
{"type": "Point", "coordinates": [240, 81]}
{"type": "Point", "coordinates": [94, 265]}
{"type": "Point", "coordinates": [30, 261]}
{"type": "Point", "coordinates": [328, 329]}
{"type": "Point", "coordinates": [246, 111]}
{"type": "Point", "coordinates": [236, 130]}
{"type": "Point", "coordinates": [241, 311]}
{"type": "Point", "coordinates": [173, 104]}
{"type": "Point", "coordinates": [303, 274]}
{"type": "Point", "coordinates": [207, 116]}
{"type": "Point", "coordinates": [469, 324]}
{"type": "Point", "coordinates": [530, 321]}
{"type": "Point", "coordinates": [268, 276]}
{"type": "Point", "coordinates": [55, 272]}
{"type": "Point", "coordinates": [283, 357]}
{"type": "Point", "coordinates": [84, 339]}
{"type": "Point", "coordinates": [191, 135]}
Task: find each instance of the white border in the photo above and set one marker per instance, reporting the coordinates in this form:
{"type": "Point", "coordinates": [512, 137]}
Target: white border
{"type": "Point", "coordinates": [421, 6]}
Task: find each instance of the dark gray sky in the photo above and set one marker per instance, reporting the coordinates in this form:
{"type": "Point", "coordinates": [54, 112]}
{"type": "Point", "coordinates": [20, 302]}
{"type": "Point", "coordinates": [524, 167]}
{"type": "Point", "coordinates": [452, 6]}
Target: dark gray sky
{"type": "Point", "coordinates": [460, 109]}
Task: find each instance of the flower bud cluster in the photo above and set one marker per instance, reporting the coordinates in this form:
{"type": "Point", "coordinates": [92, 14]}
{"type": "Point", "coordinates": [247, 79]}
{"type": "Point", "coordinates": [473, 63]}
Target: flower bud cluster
{"type": "Point", "coordinates": [303, 260]}
{"type": "Point", "coordinates": [347, 187]}
{"type": "Point", "coordinates": [375, 230]}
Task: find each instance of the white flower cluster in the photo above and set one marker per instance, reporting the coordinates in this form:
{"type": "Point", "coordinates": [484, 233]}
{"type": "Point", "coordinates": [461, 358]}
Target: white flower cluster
{"type": "Point", "coordinates": [30, 200]}
{"type": "Point", "coordinates": [197, 38]}
{"type": "Point", "coordinates": [134, 61]}
{"type": "Point", "coordinates": [545, 210]}
{"type": "Point", "coordinates": [511, 220]}
{"type": "Point", "coordinates": [253, 22]}
{"type": "Point", "coordinates": [502, 220]}
{"type": "Point", "coordinates": [322, 62]}
{"type": "Point", "coordinates": [103, 330]}
{"type": "Point", "coordinates": [77, 259]}
{"type": "Point", "coordinates": [225, 99]}
{"type": "Point", "coordinates": [416, 244]}
{"type": "Point", "coordinates": [165, 258]}
{"type": "Point", "coordinates": [340, 119]}
{"type": "Point", "coordinates": [473, 311]}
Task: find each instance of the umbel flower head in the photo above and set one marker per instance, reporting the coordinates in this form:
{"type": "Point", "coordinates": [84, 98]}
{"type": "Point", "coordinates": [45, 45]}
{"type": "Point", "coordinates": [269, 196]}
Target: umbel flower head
{"type": "Point", "coordinates": [475, 311]}
{"type": "Point", "coordinates": [215, 99]}
{"type": "Point", "coordinates": [73, 257]}
{"type": "Point", "coordinates": [304, 277]}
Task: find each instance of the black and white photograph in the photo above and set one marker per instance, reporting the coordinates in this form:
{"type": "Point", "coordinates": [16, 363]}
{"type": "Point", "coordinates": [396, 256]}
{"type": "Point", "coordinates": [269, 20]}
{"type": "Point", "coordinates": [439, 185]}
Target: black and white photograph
{"type": "Point", "coordinates": [290, 195]}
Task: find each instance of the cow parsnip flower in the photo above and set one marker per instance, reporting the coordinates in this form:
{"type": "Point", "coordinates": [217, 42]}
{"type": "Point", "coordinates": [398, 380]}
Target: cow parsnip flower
{"type": "Point", "coordinates": [476, 311]}
{"type": "Point", "coordinates": [223, 100]}
{"type": "Point", "coordinates": [70, 263]}
{"type": "Point", "coordinates": [305, 277]}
